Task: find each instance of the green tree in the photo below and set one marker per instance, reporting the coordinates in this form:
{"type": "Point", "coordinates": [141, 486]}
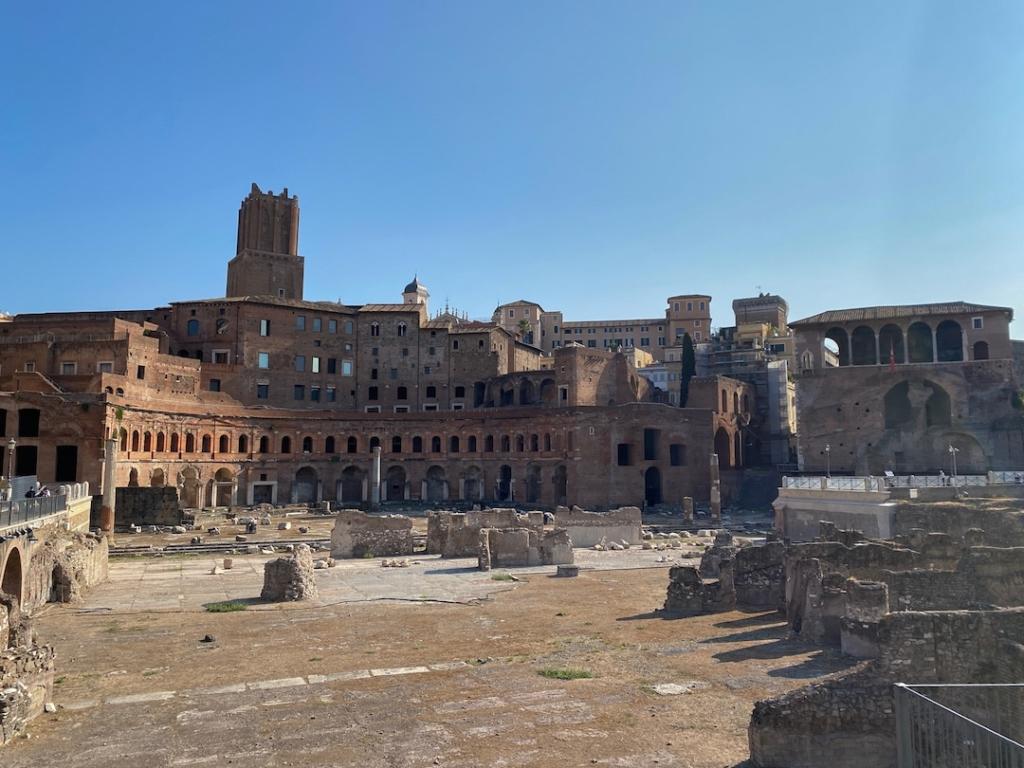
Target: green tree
{"type": "Point", "coordinates": [688, 369]}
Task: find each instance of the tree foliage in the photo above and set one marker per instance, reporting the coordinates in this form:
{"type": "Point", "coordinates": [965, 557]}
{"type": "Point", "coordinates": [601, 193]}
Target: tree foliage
{"type": "Point", "coordinates": [688, 369]}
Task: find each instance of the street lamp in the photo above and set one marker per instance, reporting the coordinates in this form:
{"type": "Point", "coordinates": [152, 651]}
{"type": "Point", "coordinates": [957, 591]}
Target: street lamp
{"type": "Point", "coordinates": [828, 460]}
{"type": "Point", "coordinates": [11, 444]}
{"type": "Point", "coordinates": [952, 454]}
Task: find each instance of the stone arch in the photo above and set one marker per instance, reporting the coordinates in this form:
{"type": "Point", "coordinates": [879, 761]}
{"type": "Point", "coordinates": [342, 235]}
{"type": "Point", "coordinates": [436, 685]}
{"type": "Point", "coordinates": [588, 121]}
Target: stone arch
{"type": "Point", "coordinates": [133, 478]}
{"type": "Point", "coordinates": [394, 483]}
{"type": "Point", "coordinates": [190, 443]}
{"type": "Point", "coordinates": [949, 342]}
{"type": "Point", "coordinates": [135, 439]}
{"type": "Point", "coordinates": [307, 444]}
{"type": "Point", "coordinates": [175, 442]}
{"type": "Point", "coordinates": [286, 444]}
{"type": "Point", "coordinates": [862, 346]}
{"type": "Point", "coordinates": [980, 350]}
{"type": "Point", "coordinates": [652, 485]}
{"type": "Point", "coordinates": [156, 478]}
{"type": "Point", "coordinates": [919, 343]}
{"type": "Point", "coordinates": [188, 482]}
{"type": "Point", "coordinates": [472, 484]}
{"type": "Point", "coordinates": [722, 448]}
{"type": "Point", "coordinates": [13, 580]}
{"type": "Point", "coordinates": [896, 405]}
{"type": "Point", "coordinates": [304, 490]}
{"type": "Point", "coordinates": [890, 344]}
{"type": "Point", "coordinates": [526, 392]}
{"type": "Point", "coordinates": [223, 486]}
{"type": "Point", "coordinates": [264, 444]}
{"type": "Point", "coordinates": [970, 457]}
{"type": "Point", "coordinates": [504, 489]}
{"type": "Point", "coordinates": [436, 485]}
{"type": "Point", "coordinates": [224, 444]}
{"type": "Point", "coordinates": [161, 442]}
{"type": "Point", "coordinates": [560, 484]}
{"type": "Point", "coordinates": [548, 392]}
{"type": "Point", "coordinates": [207, 443]}
{"type": "Point", "coordinates": [243, 444]}
{"type": "Point", "coordinates": [938, 408]}
{"type": "Point", "coordinates": [840, 344]}
{"type": "Point", "coordinates": [350, 486]}
{"type": "Point", "coordinates": [533, 483]}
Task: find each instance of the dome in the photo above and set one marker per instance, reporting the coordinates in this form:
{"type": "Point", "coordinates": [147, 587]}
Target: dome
{"type": "Point", "coordinates": [415, 286]}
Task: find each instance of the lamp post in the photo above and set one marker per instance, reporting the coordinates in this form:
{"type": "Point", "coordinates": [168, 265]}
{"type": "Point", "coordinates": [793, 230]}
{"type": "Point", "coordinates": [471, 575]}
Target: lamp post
{"type": "Point", "coordinates": [952, 454]}
{"type": "Point", "coordinates": [828, 460]}
{"type": "Point", "coordinates": [11, 444]}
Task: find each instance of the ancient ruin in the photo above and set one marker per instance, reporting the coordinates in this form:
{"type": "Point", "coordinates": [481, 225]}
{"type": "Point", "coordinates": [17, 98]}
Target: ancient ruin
{"type": "Point", "coordinates": [357, 534]}
{"type": "Point", "coordinates": [290, 578]}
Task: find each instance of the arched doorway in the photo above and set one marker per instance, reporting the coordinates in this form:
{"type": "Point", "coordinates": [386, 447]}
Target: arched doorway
{"type": "Point", "coordinates": [223, 488]}
{"type": "Point", "coordinates": [722, 448]}
{"type": "Point", "coordinates": [838, 343]}
{"type": "Point", "coordinates": [981, 350]}
{"type": "Point", "coordinates": [437, 487]}
{"type": "Point", "coordinates": [304, 491]}
{"type": "Point", "coordinates": [737, 450]}
{"type": "Point", "coordinates": [919, 343]}
{"type": "Point", "coordinates": [188, 482]}
{"type": "Point", "coordinates": [533, 481]}
{"type": "Point", "coordinates": [862, 346]}
{"type": "Point", "coordinates": [395, 484]}
{"type": "Point", "coordinates": [949, 342]}
{"type": "Point", "coordinates": [156, 480]}
{"type": "Point", "coordinates": [526, 392]}
{"type": "Point", "coordinates": [350, 487]}
{"type": "Point", "coordinates": [504, 483]}
{"type": "Point", "coordinates": [559, 481]}
{"type": "Point", "coordinates": [472, 484]}
{"type": "Point", "coordinates": [548, 392]}
{"type": "Point", "coordinates": [652, 486]}
{"type": "Point", "coordinates": [11, 582]}
{"type": "Point", "coordinates": [890, 344]}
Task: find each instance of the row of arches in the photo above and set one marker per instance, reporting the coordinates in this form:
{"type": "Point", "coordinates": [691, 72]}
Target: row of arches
{"type": "Point", "coordinates": [158, 442]}
{"type": "Point", "coordinates": [945, 343]}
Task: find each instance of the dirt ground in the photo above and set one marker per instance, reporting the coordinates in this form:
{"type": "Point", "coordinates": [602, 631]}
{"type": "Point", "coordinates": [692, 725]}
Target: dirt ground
{"type": "Point", "coordinates": [414, 683]}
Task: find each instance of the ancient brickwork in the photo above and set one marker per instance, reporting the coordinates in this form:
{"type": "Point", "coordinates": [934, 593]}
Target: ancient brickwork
{"type": "Point", "coordinates": [357, 534]}
{"type": "Point", "coordinates": [26, 685]}
{"type": "Point", "coordinates": [457, 534]}
{"type": "Point", "coordinates": [290, 578]}
{"type": "Point", "coordinates": [589, 528]}
{"type": "Point", "coordinates": [147, 506]}
{"type": "Point", "coordinates": [512, 547]}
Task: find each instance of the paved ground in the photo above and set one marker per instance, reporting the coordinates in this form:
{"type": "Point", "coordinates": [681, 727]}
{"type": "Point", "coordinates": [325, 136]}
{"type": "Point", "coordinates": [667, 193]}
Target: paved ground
{"type": "Point", "coordinates": [405, 682]}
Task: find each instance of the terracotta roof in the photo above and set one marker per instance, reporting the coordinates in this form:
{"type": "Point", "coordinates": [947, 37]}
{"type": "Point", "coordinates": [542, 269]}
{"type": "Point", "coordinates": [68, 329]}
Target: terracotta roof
{"type": "Point", "coordinates": [893, 312]}
{"type": "Point", "coordinates": [390, 308]}
{"type": "Point", "coordinates": [330, 306]}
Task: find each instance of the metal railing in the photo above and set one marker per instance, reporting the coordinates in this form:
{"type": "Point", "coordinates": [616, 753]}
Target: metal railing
{"type": "Point", "coordinates": [24, 511]}
{"type": "Point", "coordinates": [868, 483]}
{"type": "Point", "coordinates": [960, 726]}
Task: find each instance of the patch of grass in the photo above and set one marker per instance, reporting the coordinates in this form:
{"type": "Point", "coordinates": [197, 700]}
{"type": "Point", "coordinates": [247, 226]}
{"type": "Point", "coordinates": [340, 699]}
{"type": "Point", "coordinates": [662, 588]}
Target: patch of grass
{"type": "Point", "coordinates": [60, 680]}
{"type": "Point", "coordinates": [566, 674]}
{"type": "Point", "coordinates": [228, 606]}
{"type": "Point", "coordinates": [502, 577]}
{"type": "Point", "coordinates": [367, 555]}
{"type": "Point", "coordinates": [317, 658]}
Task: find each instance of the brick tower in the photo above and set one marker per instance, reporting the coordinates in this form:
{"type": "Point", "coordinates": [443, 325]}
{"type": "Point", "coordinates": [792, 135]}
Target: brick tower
{"type": "Point", "coordinates": [267, 261]}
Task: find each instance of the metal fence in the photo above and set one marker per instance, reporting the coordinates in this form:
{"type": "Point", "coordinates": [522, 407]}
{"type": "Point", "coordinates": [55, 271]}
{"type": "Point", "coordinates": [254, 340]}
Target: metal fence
{"type": "Point", "coordinates": [868, 483]}
{"type": "Point", "coordinates": [960, 726]}
{"type": "Point", "coordinates": [25, 510]}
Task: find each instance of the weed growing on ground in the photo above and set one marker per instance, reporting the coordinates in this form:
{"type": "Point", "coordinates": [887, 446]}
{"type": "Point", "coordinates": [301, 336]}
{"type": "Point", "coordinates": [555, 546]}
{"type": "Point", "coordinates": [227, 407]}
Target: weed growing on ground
{"type": "Point", "coordinates": [566, 674]}
{"type": "Point", "coordinates": [228, 606]}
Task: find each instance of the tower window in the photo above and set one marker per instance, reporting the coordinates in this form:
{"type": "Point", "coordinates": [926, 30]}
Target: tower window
{"type": "Point", "coordinates": [300, 322]}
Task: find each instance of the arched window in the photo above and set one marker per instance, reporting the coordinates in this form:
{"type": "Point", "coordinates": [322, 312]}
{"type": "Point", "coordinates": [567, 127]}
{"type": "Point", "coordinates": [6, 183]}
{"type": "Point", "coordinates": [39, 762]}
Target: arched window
{"type": "Point", "coordinates": [402, 329]}
{"type": "Point", "coordinates": [453, 444]}
{"type": "Point", "coordinates": [124, 439]}
{"type": "Point", "coordinates": [489, 444]}
{"type": "Point", "coordinates": [190, 443]}
{"type": "Point", "coordinates": [264, 444]}
{"type": "Point", "coordinates": [396, 444]}
{"type": "Point", "coordinates": [417, 444]}
{"type": "Point", "coordinates": [243, 444]}
{"type": "Point", "coordinates": [374, 443]}
{"type": "Point", "coordinates": [547, 441]}
{"type": "Point", "coordinates": [506, 443]}
{"type": "Point", "coordinates": [534, 443]}
{"type": "Point", "coordinates": [192, 327]}
{"type": "Point", "coordinates": [224, 444]}
{"type": "Point", "coordinates": [735, 402]}
{"type": "Point", "coordinates": [431, 392]}
{"type": "Point", "coordinates": [471, 444]}
{"type": "Point", "coordinates": [147, 442]}
{"type": "Point", "coordinates": [286, 444]}
{"type": "Point", "coordinates": [307, 444]}
{"type": "Point", "coordinates": [520, 443]}
{"type": "Point", "coordinates": [949, 342]}
{"type": "Point", "coordinates": [135, 440]}
{"type": "Point", "coordinates": [375, 329]}
{"type": "Point", "coordinates": [353, 445]}
{"type": "Point", "coordinates": [919, 343]}
{"type": "Point", "coordinates": [207, 444]}
{"type": "Point", "coordinates": [435, 444]}
{"type": "Point", "coordinates": [981, 350]}
{"type": "Point", "coordinates": [725, 402]}
{"type": "Point", "coordinates": [161, 442]}
{"type": "Point", "coordinates": [329, 444]}
{"type": "Point", "coordinates": [838, 343]}
{"type": "Point", "coordinates": [174, 442]}
{"type": "Point", "coordinates": [862, 346]}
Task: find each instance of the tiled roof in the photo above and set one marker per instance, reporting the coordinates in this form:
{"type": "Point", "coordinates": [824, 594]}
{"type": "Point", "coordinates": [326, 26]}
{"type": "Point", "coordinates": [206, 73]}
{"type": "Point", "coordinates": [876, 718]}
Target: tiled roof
{"type": "Point", "coordinates": [893, 312]}
{"type": "Point", "coordinates": [389, 308]}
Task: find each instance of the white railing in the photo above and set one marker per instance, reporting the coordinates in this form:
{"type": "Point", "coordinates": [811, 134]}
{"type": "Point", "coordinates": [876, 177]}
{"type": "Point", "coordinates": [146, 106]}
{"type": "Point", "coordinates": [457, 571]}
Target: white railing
{"type": "Point", "coordinates": [871, 483]}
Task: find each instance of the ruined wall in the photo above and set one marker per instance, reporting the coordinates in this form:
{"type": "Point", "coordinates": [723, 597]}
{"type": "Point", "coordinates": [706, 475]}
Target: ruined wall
{"type": "Point", "coordinates": [759, 575]}
{"type": "Point", "coordinates": [1002, 521]}
{"type": "Point", "coordinates": [357, 534]}
{"type": "Point", "coordinates": [589, 528]}
{"type": "Point", "coordinates": [147, 506]}
{"type": "Point", "coordinates": [513, 547]}
{"type": "Point", "coordinates": [26, 684]}
{"type": "Point", "coordinates": [457, 534]}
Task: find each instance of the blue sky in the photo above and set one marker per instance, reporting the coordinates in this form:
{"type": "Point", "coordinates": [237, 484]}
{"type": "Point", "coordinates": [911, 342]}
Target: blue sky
{"type": "Point", "coordinates": [595, 157]}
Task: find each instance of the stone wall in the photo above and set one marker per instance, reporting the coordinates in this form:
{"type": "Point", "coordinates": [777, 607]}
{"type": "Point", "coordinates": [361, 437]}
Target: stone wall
{"type": "Point", "coordinates": [457, 534]}
{"type": "Point", "coordinates": [147, 506]}
{"type": "Point", "coordinates": [690, 594]}
{"type": "Point", "coordinates": [357, 534]}
{"type": "Point", "coordinates": [290, 578]}
{"type": "Point", "coordinates": [512, 547]}
{"type": "Point", "coordinates": [589, 528]}
{"type": "Point", "coordinates": [1002, 522]}
{"type": "Point", "coordinates": [760, 577]}
{"type": "Point", "coordinates": [26, 685]}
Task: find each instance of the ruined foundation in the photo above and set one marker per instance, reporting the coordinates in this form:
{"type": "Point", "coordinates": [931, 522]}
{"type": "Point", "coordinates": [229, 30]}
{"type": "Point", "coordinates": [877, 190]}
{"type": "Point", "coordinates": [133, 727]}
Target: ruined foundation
{"type": "Point", "coordinates": [457, 534]}
{"type": "Point", "coordinates": [512, 547]}
{"type": "Point", "coordinates": [357, 534]}
{"type": "Point", "coordinates": [589, 528]}
{"type": "Point", "coordinates": [290, 578]}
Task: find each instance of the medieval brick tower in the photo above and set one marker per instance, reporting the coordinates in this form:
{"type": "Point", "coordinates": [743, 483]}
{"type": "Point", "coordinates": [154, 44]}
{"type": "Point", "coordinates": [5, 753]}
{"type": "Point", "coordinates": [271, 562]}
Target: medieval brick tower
{"type": "Point", "coordinates": [267, 261]}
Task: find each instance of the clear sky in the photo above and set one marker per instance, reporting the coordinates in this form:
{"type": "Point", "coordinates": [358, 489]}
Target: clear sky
{"type": "Point", "coordinates": [595, 157]}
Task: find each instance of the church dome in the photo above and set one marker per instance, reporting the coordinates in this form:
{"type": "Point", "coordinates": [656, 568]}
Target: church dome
{"type": "Point", "coordinates": [415, 286]}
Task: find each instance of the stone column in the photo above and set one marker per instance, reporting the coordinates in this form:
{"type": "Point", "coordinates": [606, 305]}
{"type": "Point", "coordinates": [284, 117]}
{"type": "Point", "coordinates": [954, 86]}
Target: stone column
{"type": "Point", "coordinates": [375, 478]}
{"type": "Point", "coordinates": [108, 506]}
{"type": "Point", "coordinates": [935, 346]}
{"type": "Point", "coordinates": [716, 490]}
{"type": "Point", "coordinates": [688, 509]}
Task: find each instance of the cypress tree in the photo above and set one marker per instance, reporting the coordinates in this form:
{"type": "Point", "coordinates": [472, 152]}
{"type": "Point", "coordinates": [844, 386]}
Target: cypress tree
{"type": "Point", "coordinates": [688, 369]}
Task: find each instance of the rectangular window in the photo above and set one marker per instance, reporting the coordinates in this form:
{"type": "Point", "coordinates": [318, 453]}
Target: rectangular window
{"type": "Point", "coordinates": [702, 306]}
{"type": "Point", "coordinates": [299, 392]}
{"type": "Point", "coordinates": [315, 365]}
{"type": "Point", "coordinates": [430, 407]}
{"type": "Point", "coordinates": [332, 326]}
{"type": "Point", "coordinates": [405, 351]}
{"type": "Point", "coordinates": [455, 344]}
{"type": "Point", "coordinates": [300, 322]}
{"type": "Point", "coordinates": [393, 374]}
{"type": "Point", "coordinates": [332, 394]}
{"type": "Point", "coordinates": [978, 323]}
{"type": "Point", "coordinates": [332, 365]}
{"type": "Point", "coordinates": [263, 360]}
{"type": "Point", "coordinates": [314, 394]}
{"type": "Point", "coordinates": [625, 455]}
{"type": "Point", "coordinates": [661, 341]}
{"type": "Point", "coordinates": [373, 374]}
{"type": "Point", "coordinates": [262, 391]}
{"type": "Point", "coordinates": [431, 351]}
{"type": "Point", "coordinates": [645, 341]}
{"type": "Point", "coordinates": [299, 363]}
{"type": "Point", "coordinates": [372, 394]}
{"type": "Point", "coordinates": [140, 372]}
{"type": "Point", "coordinates": [215, 385]}
{"type": "Point", "coordinates": [264, 327]}
{"type": "Point", "coordinates": [677, 454]}
{"type": "Point", "coordinates": [68, 369]}
{"type": "Point", "coordinates": [346, 367]}
{"type": "Point", "coordinates": [105, 367]}
{"type": "Point", "coordinates": [426, 369]}
{"type": "Point", "coordinates": [458, 406]}
{"type": "Point", "coordinates": [220, 356]}
{"type": "Point", "coordinates": [372, 409]}
{"type": "Point", "coordinates": [651, 437]}
{"type": "Point", "coordinates": [348, 326]}
{"type": "Point", "coordinates": [563, 394]}
{"type": "Point", "coordinates": [689, 306]}
{"type": "Point", "coordinates": [591, 343]}
{"type": "Point", "coordinates": [317, 324]}
{"type": "Point", "coordinates": [401, 409]}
